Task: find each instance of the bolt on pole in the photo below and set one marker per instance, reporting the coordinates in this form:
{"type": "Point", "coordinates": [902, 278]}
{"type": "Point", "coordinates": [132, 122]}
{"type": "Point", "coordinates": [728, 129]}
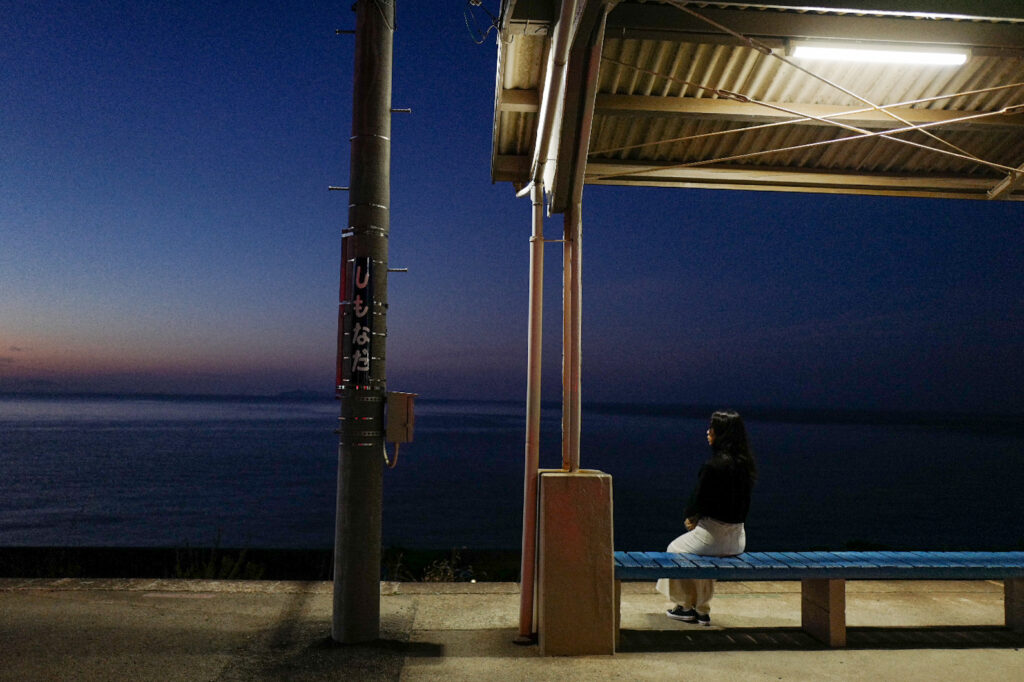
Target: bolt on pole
{"type": "Point", "coordinates": [362, 328]}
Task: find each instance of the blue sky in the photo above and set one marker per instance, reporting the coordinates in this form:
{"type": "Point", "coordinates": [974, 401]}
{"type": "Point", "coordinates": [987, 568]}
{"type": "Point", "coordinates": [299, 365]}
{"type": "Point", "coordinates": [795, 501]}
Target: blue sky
{"type": "Point", "coordinates": [165, 226]}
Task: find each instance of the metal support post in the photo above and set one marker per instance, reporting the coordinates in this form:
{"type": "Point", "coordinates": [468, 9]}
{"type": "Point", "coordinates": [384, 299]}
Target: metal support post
{"type": "Point", "coordinates": [572, 303]}
{"type": "Point", "coordinates": [362, 332]}
{"type": "Point", "coordinates": [529, 554]}
{"type": "Point", "coordinates": [567, 247]}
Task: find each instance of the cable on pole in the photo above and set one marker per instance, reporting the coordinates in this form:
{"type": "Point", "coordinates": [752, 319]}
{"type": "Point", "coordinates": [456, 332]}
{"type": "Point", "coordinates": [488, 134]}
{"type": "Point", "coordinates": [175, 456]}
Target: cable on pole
{"type": "Point", "coordinates": [475, 30]}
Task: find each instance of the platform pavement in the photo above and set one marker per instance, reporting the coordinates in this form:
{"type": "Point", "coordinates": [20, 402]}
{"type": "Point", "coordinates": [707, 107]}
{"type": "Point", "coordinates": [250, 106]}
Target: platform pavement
{"type": "Point", "coordinates": [219, 630]}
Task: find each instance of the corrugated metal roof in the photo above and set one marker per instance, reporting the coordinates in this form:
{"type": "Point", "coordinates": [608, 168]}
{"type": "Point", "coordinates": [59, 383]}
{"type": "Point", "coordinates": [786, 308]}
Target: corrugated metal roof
{"type": "Point", "coordinates": [706, 110]}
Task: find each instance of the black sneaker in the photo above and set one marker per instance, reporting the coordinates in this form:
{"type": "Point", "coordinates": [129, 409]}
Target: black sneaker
{"type": "Point", "coordinates": [685, 615]}
{"type": "Point", "coordinates": [703, 618]}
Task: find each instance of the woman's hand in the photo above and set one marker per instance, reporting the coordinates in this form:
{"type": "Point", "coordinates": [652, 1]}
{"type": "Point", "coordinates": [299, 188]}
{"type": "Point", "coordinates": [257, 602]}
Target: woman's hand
{"type": "Point", "coordinates": [690, 523]}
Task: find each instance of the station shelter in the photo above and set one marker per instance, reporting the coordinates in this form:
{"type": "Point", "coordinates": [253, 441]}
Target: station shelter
{"type": "Point", "coordinates": [916, 98]}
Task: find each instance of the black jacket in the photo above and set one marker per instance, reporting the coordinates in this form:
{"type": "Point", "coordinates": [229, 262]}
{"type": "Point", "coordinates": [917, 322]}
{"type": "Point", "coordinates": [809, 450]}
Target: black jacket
{"type": "Point", "coordinates": [722, 492]}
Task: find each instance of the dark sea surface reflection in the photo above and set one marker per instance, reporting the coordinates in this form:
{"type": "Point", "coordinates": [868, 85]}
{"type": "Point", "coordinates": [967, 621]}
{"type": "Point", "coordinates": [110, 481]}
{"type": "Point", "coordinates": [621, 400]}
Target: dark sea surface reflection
{"type": "Point", "coordinates": [262, 473]}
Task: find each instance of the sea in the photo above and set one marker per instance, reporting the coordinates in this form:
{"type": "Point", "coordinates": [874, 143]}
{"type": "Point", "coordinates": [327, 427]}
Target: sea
{"type": "Point", "coordinates": [174, 471]}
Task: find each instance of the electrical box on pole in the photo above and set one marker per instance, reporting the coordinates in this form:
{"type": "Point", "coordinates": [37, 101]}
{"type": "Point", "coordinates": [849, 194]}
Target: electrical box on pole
{"type": "Point", "coordinates": [401, 417]}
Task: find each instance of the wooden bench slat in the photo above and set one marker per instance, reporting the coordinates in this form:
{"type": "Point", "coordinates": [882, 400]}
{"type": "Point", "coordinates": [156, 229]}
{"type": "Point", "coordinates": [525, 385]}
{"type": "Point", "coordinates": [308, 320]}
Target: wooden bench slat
{"type": "Point", "coordinates": [758, 561]}
{"type": "Point", "coordinates": [883, 560]}
{"type": "Point", "coordinates": [934, 559]}
{"type": "Point", "coordinates": [998, 560]}
{"type": "Point", "coordinates": [663, 559]}
{"type": "Point", "coordinates": [860, 559]}
{"type": "Point", "coordinates": [736, 562]}
{"type": "Point", "coordinates": [843, 562]}
{"type": "Point", "coordinates": [849, 559]}
{"type": "Point", "coordinates": [700, 561]}
{"type": "Point", "coordinates": [623, 559]}
{"type": "Point", "coordinates": [682, 560]}
{"type": "Point", "coordinates": [900, 560]}
{"type": "Point", "coordinates": [780, 558]}
{"type": "Point", "coordinates": [927, 559]}
{"type": "Point", "coordinates": [940, 560]}
{"type": "Point", "coordinates": [1010, 558]}
{"type": "Point", "coordinates": [827, 559]}
{"type": "Point", "coordinates": [798, 559]}
{"type": "Point", "coordinates": [971, 559]}
{"type": "Point", "coordinates": [643, 559]}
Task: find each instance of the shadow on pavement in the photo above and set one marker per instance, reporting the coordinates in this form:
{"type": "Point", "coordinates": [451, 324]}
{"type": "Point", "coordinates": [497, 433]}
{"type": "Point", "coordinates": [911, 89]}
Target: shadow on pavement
{"type": "Point", "coordinates": [383, 647]}
{"type": "Point", "coordinates": [322, 658]}
{"type": "Point", "coordinates": [795, 639]}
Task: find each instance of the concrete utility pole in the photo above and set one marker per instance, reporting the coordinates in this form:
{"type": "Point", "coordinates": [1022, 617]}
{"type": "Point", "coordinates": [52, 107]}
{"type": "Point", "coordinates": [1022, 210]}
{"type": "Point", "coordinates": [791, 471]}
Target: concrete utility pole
{"type": "Point", "coordinates": [362, 327]}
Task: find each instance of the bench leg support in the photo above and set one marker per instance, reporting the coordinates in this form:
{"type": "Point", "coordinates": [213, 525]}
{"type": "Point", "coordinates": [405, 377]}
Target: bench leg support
{"type": "Point", "coordinates": [823, 610]}
{"type": "Point", "coordinates": [1013, 602]}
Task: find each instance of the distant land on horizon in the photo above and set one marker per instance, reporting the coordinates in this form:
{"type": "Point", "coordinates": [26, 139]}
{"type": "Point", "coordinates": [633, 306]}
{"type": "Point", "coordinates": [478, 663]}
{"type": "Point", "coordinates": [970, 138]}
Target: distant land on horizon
{"type": "Point", "coordinates": [49, 389]}
{"type": "Point", "coordinates": [1003, 424]}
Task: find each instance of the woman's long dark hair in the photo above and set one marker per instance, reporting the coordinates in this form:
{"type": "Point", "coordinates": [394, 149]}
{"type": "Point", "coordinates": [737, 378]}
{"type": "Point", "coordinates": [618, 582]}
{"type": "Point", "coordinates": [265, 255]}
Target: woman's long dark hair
{"type": "Point", "coordinates": [731, 440]}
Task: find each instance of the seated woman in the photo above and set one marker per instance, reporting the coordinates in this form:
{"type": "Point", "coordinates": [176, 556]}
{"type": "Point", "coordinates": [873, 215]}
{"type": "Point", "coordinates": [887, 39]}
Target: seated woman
{"type": "Point", "coordinates": [715, 515]}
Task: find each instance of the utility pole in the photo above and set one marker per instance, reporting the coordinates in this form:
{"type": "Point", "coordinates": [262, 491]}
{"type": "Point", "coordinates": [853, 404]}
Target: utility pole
{"type": "Point", "coordinates": [362, 329]}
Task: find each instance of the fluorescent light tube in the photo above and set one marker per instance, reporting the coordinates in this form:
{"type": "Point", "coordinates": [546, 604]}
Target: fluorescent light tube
{"type": "Point", "coordinates": [879, 54]}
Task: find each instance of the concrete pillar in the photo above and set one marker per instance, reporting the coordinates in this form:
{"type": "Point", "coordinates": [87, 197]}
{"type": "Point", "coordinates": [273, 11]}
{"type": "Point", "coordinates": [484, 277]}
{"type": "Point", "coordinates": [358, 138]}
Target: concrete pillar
{"type": "Point", "coordinates": [576, 577]}
{"type": "Point", "coordinates": [362, 387]}
{"type": "Point", "coordinates": [823, 610]}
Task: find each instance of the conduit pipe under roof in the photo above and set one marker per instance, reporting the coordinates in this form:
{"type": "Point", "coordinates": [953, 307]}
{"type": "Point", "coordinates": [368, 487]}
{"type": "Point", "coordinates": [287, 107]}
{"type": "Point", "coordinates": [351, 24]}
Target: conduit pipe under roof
{"type": "Point", "coordinates": [554, 90]}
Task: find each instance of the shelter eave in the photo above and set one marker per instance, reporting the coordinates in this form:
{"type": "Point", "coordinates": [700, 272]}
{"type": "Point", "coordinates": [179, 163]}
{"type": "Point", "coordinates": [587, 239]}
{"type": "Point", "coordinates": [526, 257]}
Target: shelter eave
{"type": "Point", "coordinates": [516, 169]}
{"type": "Point", "coordinates": [655, 21]}
{"type": "Point", "coordinates": [710, 97]}
{"type": "Point", "coordinates": [792, 180]}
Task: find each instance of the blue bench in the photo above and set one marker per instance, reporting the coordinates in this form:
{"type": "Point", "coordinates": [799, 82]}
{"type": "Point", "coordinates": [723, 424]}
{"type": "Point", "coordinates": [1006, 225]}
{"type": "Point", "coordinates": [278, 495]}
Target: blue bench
{"type": "Point", "coordinates": [823, 576]}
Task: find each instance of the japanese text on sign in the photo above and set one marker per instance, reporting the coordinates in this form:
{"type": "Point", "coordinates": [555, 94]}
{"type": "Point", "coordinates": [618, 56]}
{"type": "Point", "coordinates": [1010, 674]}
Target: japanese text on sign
{"type": "Point", "coordinates": [362, 320]}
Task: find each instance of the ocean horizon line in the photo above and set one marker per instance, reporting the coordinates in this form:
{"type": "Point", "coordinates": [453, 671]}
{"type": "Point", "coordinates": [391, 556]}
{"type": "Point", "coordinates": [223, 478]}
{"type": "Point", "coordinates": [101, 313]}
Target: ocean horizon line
{"type": "Point", "coordinates": [1004, 423]}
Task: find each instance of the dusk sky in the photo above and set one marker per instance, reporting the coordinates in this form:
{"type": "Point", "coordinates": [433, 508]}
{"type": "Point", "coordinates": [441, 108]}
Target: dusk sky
{"type": "Point", "coordinates": [165, 226]}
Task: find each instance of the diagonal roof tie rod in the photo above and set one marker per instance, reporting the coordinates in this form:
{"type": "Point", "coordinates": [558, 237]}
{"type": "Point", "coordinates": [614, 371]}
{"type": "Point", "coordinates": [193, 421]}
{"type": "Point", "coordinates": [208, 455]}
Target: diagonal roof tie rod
{"type": "Point", "coordinates": [887, 134]}
{"type": "Point", "coordinates": [799, 118]}
{"type": "Point", "coordinates": [766, 50]}
{"type": "Point", "coordinates": [820, 143]}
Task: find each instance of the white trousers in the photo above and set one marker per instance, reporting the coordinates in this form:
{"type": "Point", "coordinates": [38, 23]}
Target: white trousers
{"type": "Point", "coordinates": [710, 538]}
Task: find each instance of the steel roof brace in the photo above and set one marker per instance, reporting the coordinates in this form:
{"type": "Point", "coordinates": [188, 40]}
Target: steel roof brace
{"type": "Point", "coordinates": [1011, 182]}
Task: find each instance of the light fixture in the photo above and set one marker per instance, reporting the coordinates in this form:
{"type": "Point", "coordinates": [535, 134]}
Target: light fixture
{"type": "Point", "coordinates": [878, 53]}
